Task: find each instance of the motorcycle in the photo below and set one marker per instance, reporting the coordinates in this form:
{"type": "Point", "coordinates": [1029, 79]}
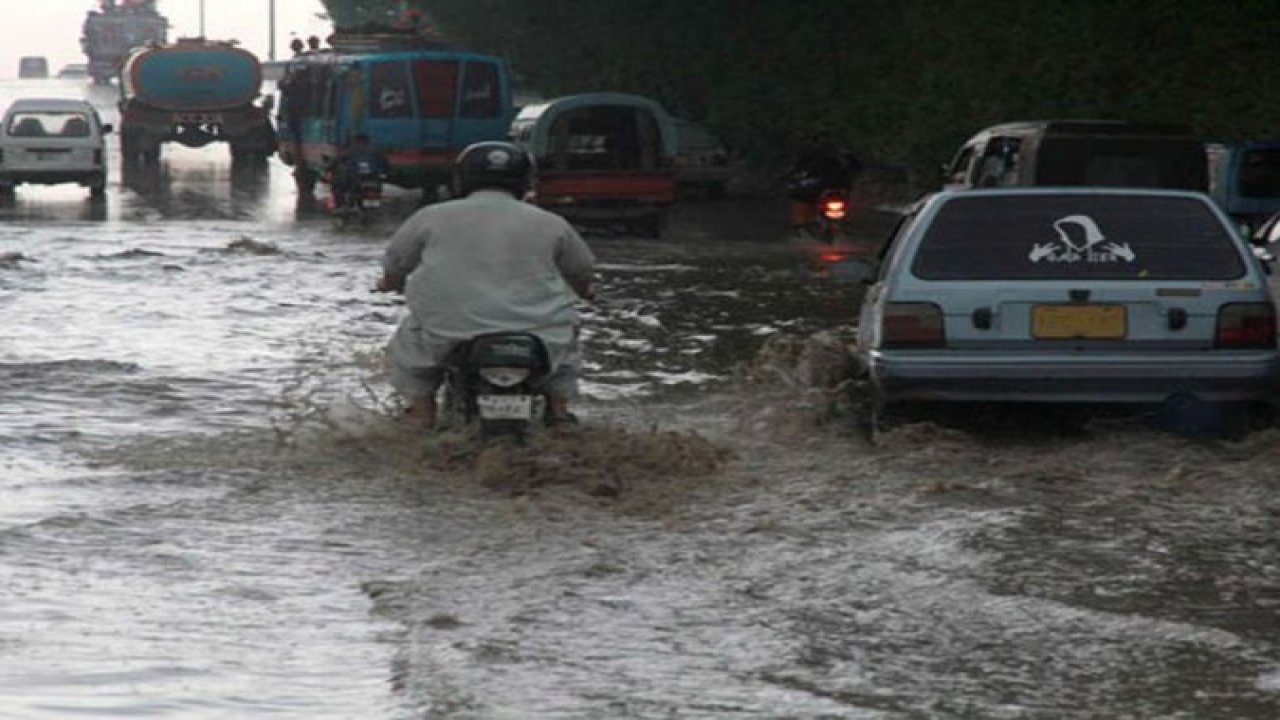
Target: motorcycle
{"type": "Point", "coordinates": [361, 200]}
{"type": "Point", "coordinates": [822, 232]}
{"type": "Point", "coordinates": [832, 210]}
{"type": "Point", "coordinates": [820, 209]}
{"type": "Point", "coordinates": [493, 379]}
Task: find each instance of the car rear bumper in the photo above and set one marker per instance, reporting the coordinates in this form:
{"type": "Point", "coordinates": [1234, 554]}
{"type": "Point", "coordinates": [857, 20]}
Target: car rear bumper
{"type": "Point", "coordinates": [1217, 376]}
{"type": "Point", "coordinates": [51, 177]}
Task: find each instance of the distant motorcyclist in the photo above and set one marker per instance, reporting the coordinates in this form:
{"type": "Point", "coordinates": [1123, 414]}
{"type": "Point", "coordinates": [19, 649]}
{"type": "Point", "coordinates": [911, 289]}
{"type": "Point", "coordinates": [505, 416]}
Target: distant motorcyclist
{"type": "Point", "coordinates": [486, 262]}
{"type": "Point", "coordinates": [360, 160]}
{"type": "Point", "coordinates": [821, 165]}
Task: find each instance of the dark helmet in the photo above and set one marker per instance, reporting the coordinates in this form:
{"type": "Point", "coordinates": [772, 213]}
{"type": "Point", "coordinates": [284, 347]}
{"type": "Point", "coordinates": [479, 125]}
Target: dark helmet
{"type": "Point", "coordinates": [493, 164]}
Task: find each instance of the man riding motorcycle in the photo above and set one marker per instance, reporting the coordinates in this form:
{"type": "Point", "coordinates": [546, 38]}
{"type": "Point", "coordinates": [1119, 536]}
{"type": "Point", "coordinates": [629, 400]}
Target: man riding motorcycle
{"type": "Point", "coordinates": [486, 262]}
{"type": "Point", "coordinates": [354, 164]}
{"type": "Point", "coordinates": [822, 165]}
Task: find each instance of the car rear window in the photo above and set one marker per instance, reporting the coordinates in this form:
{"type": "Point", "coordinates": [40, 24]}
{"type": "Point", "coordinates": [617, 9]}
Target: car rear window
{"type": "Point", "coordinates": [1174, 163]}
{"type": "Point", "coordinates": [1067, 237]}
{"type": "Point", "coordinates": [49, 124]}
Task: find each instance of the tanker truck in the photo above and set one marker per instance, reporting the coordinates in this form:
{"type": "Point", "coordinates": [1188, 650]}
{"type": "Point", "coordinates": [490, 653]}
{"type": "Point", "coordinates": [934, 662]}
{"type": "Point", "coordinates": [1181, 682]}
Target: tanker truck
{"type": "Point", "coordinates": [194, 92]}
{"type": "Point", "coordinates": [117, 27]}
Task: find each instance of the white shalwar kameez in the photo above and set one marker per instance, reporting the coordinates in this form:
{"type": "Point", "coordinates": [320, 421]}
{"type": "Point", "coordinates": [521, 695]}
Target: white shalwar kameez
{"type": "Point", "coordinates": [485, 263]}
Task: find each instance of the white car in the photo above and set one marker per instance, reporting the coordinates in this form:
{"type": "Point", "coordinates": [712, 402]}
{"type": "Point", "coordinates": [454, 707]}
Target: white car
{"type": "Point", "coordinates": [48, 141]}
{"type": "Point", "coordinates": [1070, 296]}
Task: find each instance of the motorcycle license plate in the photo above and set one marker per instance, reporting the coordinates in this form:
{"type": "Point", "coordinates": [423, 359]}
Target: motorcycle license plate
{"type": "Point", "coordinates": [505, 407]}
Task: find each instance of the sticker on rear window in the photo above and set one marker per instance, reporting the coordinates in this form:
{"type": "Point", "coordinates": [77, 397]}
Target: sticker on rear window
{"type": "Point", "coordinates": [1080, 240]}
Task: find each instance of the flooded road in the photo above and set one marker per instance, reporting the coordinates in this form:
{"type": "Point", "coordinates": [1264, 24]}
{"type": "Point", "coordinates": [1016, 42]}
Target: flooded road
{"type": "Point", "coordinates": [208, 508]}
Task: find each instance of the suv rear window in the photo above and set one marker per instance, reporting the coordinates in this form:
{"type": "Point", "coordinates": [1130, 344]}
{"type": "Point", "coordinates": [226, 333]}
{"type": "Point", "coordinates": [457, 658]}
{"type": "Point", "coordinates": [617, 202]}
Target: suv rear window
{"type": "Point", "coordinates": [1069, 237]}
{"type": "Point", "coordinates": [1122, 162]}
{"type": "Point", "coordinates": [1260, 174]}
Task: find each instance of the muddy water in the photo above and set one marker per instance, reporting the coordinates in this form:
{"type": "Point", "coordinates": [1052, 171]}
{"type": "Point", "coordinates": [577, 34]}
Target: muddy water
{"type": "Point", "coordinates": [208, 508]}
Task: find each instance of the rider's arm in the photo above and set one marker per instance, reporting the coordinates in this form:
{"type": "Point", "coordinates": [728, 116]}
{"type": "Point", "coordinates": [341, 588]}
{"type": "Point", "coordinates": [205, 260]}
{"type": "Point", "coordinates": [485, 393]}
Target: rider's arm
{"type": "Point", "coordinates": [404, 253]}
{"type": "Point", "coordinates": [575, 261]}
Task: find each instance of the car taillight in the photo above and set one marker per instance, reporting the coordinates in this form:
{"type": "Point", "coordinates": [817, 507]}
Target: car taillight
{"type": "Point", "coordinates": [1246, 325]}
{"type": "Point", "coordinates": [912, 325]}
{"type": "Point", "coordinates": [97, 157]}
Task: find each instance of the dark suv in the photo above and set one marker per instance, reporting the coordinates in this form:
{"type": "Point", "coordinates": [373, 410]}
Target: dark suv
{"type": "Point", "coordinates": [1100, 153]}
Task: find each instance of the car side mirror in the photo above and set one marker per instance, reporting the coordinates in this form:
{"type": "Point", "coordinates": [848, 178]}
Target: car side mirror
{"type": "Point", "coordinates": [107, 128]}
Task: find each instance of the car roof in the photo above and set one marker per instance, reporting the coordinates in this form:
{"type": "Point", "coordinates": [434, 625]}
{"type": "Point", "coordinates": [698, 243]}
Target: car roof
{"type": "Point", "coordinates": [1020, 190]}
{"type": "Point", "coordinates": [1092, 127]}
{"type": "Point", "coordinates": [38, 104]}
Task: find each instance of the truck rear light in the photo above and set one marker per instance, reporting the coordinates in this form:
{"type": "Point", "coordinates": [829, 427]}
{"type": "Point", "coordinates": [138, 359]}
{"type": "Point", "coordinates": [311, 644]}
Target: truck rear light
{"type": "Point", "coordinates": [1246, 325]}
{"type": "Point", "coordinates": [912, 325]}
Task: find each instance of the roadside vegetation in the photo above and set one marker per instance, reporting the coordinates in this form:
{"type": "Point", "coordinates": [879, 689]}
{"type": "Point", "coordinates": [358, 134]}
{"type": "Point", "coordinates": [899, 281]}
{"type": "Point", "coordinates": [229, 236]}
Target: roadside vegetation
{"type": "Point", "coordinates": [903, 83]}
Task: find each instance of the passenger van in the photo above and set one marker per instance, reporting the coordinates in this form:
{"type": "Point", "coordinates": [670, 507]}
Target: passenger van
{"type": "Point", "coordinates": [51, 141]}
{"type": "Point", "coordinates": [1244, 179]}
{"type": "Point", "coordinates": [419, 107]}
{"type": "Point", "coordinates": [1081, 152]}
{"type": "Point", "coordinates": [602, 158]}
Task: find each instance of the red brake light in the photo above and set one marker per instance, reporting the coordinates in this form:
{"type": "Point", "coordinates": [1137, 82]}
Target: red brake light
{"type": "Point", "coordinates": [912, 325]}
{"type": "Point", "coordinates": [1246, 325]}
{"type": "Point", "coordinates": [834, 209]}
{"type": "Point", "coordinates": [833, 204]}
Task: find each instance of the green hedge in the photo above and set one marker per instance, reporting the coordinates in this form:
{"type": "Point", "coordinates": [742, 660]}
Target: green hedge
{"type": "Point", "coordinates": [902, 81]}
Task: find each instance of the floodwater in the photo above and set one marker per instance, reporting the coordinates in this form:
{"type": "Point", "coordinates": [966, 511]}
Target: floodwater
{"type": "Point", "coordinates": [209, 510]}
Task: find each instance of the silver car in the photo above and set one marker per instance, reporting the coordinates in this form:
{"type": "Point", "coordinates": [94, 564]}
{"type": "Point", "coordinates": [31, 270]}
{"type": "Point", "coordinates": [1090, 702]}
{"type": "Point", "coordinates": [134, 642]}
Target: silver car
{"type": "Point", "coordinates": [1068, 295]}
{"type": "Point", "coordinates": [48, 141]}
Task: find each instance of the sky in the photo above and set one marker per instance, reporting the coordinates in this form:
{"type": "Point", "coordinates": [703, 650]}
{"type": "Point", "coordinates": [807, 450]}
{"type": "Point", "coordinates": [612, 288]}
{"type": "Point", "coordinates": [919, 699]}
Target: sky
{"type": "Point", "coordinates": [52, 27]}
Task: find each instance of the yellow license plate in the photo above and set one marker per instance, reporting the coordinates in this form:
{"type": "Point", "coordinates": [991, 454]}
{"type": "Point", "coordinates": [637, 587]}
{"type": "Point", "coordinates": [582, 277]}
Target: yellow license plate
{"type": "Point", "coordinates": [1069, 322]}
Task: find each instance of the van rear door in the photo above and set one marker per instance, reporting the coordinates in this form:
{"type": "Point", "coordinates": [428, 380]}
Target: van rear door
{"type": "Point", "coordinates": [389, 117]}
{"type": "Point", "coordinates": [484, 103]}
{"type": "Point", "coordinates": [435, 83]}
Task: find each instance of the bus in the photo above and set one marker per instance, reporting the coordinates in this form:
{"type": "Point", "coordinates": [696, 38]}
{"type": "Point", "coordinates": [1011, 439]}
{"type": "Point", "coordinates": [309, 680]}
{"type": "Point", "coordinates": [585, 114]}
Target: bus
{"type": "Point", "coordinates": [419, 108]}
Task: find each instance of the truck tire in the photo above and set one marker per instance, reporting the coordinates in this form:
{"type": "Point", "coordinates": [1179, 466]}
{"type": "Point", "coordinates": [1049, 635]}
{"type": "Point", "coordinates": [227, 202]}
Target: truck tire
{"type": "Point", "coordinates": [135, 151]}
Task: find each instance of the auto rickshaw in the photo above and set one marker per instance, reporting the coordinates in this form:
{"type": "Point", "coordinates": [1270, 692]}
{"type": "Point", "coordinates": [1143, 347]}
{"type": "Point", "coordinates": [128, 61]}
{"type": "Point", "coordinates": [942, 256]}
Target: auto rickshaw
{"type": "Point", "coordinates": [604, 159]}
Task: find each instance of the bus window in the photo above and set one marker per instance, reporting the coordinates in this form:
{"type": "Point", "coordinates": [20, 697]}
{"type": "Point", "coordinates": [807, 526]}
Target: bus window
{"type": "Point", "coordinates": [437, 84]}
{"type": "Point", "coordinates": [480, 91]}
{"type": "Point", "coordinates": [389, 90]}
